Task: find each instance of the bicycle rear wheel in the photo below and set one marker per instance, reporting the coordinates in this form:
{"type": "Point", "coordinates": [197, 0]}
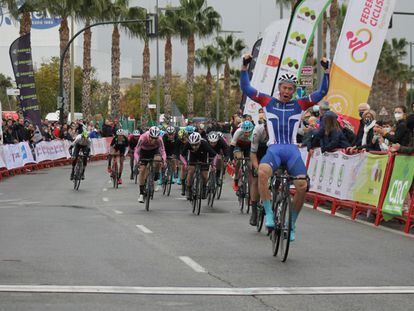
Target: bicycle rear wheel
{"type": "Point", "coordinates": [275, 234]}
{"type": "Point", "coordinates": [286, 222]}
{"type": "Point", "coordinates": [136, 171]}
{"type": "Point", "coordinates": [220, 187]}
{"type": "Point", "coordinates": [260, 218]}
{"type": "Point", "coordinates": [78, 175]}
{"type": "Point", "coordinates": [148, 193]}
{"type": "Point", "coordinates": [165, 181]}
{"type": "Point", "coordinates": [115, 173]}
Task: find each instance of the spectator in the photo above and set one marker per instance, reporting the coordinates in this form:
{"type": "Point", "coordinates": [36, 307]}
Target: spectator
{"type": "Point", "coordinates": [107, 129]}
{"type": "Point", "coordinates": [235, 122]}
{"type": "Point", "coordinates": [8, 136]}
{"type": "Point", "coordinates": [65, 133]}
{"type": "Point", "coordinates": [262, 116]}
{"type": "Point", "coordinates": [405, 149]}
{"type": "Point", "coordinates": [403, 134]}
{"type": "Point", "coordinates": [95, 133]}
{"type": "Point", "coordinates": [309, 132]}
{"type": "Point", "coordinates": [347, 129]}
{"type": "Point", "coordinates": [331, 136]}
{"type": "Point", "coordinates": [358, 139]}
{"type": "Point", "coordinates": [369, 142]}
{"type": "Point", "coordinates": [20, 132]}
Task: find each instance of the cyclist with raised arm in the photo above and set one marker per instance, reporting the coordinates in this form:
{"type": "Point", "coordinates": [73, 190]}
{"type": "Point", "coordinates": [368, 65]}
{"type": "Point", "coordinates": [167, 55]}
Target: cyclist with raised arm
{"type": "Point", "coordinates": [283, 118]}
{"type": "Point", "coordinates": [196, 150]}
{"type": "Point", "coordinates": [81, 143]}
{"type": "Point", "coordinates": [150, 147]}
{"type": "Point", "coordinates": [118, 147]}
{"type": "Point", "coordinates": [240, 147]}
{"type": "Point", "coordinates": [257, 151]}
{"type": "Point", "coordinates": [132, 143]}
{"type": "Point", "coordinates": [222, 149]}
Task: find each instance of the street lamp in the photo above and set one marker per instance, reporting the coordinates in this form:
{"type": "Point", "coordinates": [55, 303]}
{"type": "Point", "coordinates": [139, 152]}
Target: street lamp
{"type": "Point", "coordinates": [218, 75]}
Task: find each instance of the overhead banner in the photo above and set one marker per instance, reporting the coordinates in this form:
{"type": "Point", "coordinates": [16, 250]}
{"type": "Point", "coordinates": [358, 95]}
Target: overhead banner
{"type": "Point", "coordinates": [267, 62]}
{"type": "Point", "coordinates": [357, 54]}
{"type": "Point", "coordinates": [21, 59]}
{"type": "Point", "coordinates": [400, 184]}
{"type": "Point", "coordinates": [305, 19]}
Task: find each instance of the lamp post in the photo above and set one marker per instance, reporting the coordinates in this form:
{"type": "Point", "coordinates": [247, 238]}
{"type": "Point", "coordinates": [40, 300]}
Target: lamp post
{"type": "Point", "coordinates": [411, 78]}
{"type": "Point", "coordinates": [61, 99]}
{"type": "Point", "coordinates": [218, 75]}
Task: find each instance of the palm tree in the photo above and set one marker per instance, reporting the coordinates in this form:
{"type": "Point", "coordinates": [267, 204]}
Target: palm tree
{"type": "Point", "coordinates": [139, 31]}
{"type": "Point", "coordinates": [235, 85]}
{"type": "Point", "coordinates": [167, 29]}
{"type": "Point", "coordinates": [333, 12]}
{"type": "Point", "coordinates": [230, 48]}
{"type": "Point", "coordinates": [205, 57]}
{"type": "Point", "coordinates": [91, 10]}
{"type": "Point", "coordinates": [64, 9]}
{"type": "Point", "coordinates": [195, 18]}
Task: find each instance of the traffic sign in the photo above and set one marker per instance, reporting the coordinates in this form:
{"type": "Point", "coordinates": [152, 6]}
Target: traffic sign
{"type": "Point", "coordinates": [13, 92]}
{"type": "Point", "coordinates": [307, 71]}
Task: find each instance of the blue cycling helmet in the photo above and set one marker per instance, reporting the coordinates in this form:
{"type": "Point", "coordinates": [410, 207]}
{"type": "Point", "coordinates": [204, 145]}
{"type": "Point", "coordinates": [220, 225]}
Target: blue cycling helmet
{"type": "Point", "coordinates": [247, 126]}
{"type": "Point", "coordinates": [189, 129]}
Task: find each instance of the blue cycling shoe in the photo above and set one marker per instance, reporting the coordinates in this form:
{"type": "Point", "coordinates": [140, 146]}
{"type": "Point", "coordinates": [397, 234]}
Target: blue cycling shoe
{"type": "Point", "coordinates": [159, 182]}
{"type": "Point", "coordinates": [269, 217]}
{"type": "Point", "coordinates": [292, 233]}
{"type": "Point", "coordinates": [178, 181]}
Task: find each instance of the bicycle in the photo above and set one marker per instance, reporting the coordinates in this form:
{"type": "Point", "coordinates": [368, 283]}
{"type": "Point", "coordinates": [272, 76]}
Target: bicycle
{"type": "Point", "coordinates": [197, 186]}
{"type": "Point", "coordinates": [260, 217]}
{"type": "Point", "coordinates": [212, 187]}
{"type": "Point", "coordinates": [115, 170]}
{"type": "Point", "coordinates": [136, 172]}
{"type": "Point", "coordinates": [168, 177]}
{"type": "Point", "coordinates": [149, 182]}
{"type": "Point", "coordinates": [221, 179]}
{"type": "Point", "coordinates": [282, 210]}
{"type": "Point", "coordinates": [244, 189]}
{"type": "Point", "coordinates": [77, 175]}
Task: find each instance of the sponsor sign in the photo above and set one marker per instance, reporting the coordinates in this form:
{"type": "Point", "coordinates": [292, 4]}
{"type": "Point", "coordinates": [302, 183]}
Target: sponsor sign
{"type": "Point", "coordinates": [300, 35]}
{"type": "Point", "coordinates": [357, 54]}
{"type": "Point", "coordinates": [400, 184]}
{"type": "Point", "coordinates": [267, 63]}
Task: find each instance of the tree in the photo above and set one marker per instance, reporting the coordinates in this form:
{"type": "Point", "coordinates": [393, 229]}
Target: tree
{"type": "Point", "coordinates": [90, 10]}
{"type": "Point", "coordinates": [205, 57]}
{"type": "Point", "coordinates": [5, 82]}
{"type": "Point", "coordinates": [64, 9]}
{"type": "Point", "coordinates": [230, 48]}
{"type": "Point", "coordinates": [23, 14]}
{"type": "Point", "coordinates": [333, 12]}
{"type": "Point", "coordinates": [167, 30]}
{"type": "Point", "coordinates": [195, 19]}
{"type": "Point", "coordinates": [235, 86]}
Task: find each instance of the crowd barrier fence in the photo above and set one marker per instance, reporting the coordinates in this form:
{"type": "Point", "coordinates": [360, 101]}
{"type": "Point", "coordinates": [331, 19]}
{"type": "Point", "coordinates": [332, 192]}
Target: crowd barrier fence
{"type": "Point", "coordinates": [22, 157]}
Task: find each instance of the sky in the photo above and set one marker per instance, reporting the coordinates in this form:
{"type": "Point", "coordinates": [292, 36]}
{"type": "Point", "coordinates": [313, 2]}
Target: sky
{"type": "Point", "coordinates": [248, 16]}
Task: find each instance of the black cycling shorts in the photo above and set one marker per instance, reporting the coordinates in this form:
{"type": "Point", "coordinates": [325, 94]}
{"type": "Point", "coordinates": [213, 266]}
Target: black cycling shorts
{"type": "Point", "coordinates": [85, 149]}
{"type": "Point", "coordinates": [194, 159]}
{"type": "Point", "coordinates": [147, 155]}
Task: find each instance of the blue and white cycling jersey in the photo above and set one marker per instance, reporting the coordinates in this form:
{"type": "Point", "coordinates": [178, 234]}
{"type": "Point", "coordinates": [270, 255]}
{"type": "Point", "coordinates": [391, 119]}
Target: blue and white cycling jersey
{"type": "Point", "coordinates": [283, 119]}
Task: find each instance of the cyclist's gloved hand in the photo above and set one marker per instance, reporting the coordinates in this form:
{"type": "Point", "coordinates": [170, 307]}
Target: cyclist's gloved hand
{"type": "Point", "coordinates": [325, 63]}
{"type": "Point", "coordinates": [247, 59]}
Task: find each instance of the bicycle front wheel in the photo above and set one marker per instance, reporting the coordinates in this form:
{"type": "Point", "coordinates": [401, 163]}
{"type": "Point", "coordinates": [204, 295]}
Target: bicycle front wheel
{"type": "Point", "coordinates": [199, 194]}
{"type": "Point", "coordinates": [78, 175]}
{"type": "Point", "coordinates": [260, 218]}
{"type": "Point", "coordinates": [286, 223]}
{"type": "Point", "coordinates": [275, 234]}
{"type": "Point", "coordinates": [220, 187]}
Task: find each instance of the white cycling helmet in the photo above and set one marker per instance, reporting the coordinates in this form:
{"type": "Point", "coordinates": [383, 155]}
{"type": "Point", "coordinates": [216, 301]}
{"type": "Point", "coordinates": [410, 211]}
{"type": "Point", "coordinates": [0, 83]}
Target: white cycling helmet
{"type": "Point", "coordinates": [213, 137]}
{"type": "Point", "coordinates": [120, 132]}
{"type": "Point", "coordinates": [136, 133]}
{"type": "Point", "coordinates": [288, 78]}
{"type": "Point", "coordinates": [220, 134]}
{"type": "Point", "coordinates": [154, 132]}
{"type": "Point", "coordinates": [194, 138]}
{"type": "Point", "coordinates": [170, 130]}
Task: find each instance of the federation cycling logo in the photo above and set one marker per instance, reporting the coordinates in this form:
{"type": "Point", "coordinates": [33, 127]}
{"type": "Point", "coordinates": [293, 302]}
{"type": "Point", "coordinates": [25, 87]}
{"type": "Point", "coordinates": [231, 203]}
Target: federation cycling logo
{"type": "Point", "coordinates": [357, 41]}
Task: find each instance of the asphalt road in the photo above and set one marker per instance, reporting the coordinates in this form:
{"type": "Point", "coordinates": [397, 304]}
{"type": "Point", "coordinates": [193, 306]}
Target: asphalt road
{"type": "Point", "coordinates": [52, 235]}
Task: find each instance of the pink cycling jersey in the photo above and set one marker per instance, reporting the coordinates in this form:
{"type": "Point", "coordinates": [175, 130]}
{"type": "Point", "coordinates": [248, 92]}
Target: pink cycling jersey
{"type": "Point", "coordinates": [145, 143]}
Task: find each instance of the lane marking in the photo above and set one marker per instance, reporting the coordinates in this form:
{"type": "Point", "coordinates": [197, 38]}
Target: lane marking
{"type": "Point", "coordinates": [181, 199]}
{"type": "Point", "coordinates": [192, 264]}
{"type": "Point", "coordinates": [105, 189]}
{"type": "Point", "coordinates": [369, 224]}
{"type": "Point", "coordinates": [11, 200]}
{"type": "Point", "coordinates": [105, 199]}
{"type": "Point", "coordinates": [144, 229]}
{"type": "Point", "coordinates": [214, 291]}
{"type": "Point", "coordinates": [118, 212]}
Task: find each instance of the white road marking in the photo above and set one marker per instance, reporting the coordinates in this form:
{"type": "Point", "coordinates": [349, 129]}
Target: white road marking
{"type": "Point", "coordinates": [192, 264]}
{"type": "Point", "coordinates": [105, 189]}
{"type": "Point", "coordinates": [339, 215]}
{"type": "Point", "coordinates": [144, 229]}
{"type": "Point", "coordinates": [118, 212]}
{"type": "Point", "coordinates": [181, 199]}
{"type": "Point", "coordinates": [109, 181]}
{"type": "Point", "coordinates": [9, 201]}
{"type": "Point", "coordinates": [105, 199]}
{"type": "Point", "coordinates": [214, 291]}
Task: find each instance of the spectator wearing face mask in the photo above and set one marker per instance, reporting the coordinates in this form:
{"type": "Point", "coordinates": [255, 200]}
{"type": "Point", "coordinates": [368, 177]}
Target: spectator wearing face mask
{"type": "Point", "coordinates": [361, 110]}
{"type": "Point", "coordinates": [402, 134]}
{"type": "Point", "coordinates": [410, 148]}
{"type": "Point", "coordinates": [368, 142]}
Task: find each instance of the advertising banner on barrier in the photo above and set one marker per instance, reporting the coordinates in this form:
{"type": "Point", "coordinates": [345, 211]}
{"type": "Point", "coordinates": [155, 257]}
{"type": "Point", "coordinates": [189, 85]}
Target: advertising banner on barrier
{"type": "Point", "coordinates": [333, 174]}
{"type": "Point", "coordinates": [267, 63]}
{"type": "Point", "coordinates": [367, 188]}
{"type": "Point", "coordinates": [99, 146]}
{"type": "Point", "coordinates": [400, 183]}
{"type": "Point", "coordinates": [2, 162]}
{"type": "Point", "coordinates": [301, 30]}
{"type": "Point", "coordinates": [357, 54]}
{"type": "Point", "coordinates": [51, 150]}
{"type": "Point", "coordinates": [26, 153]}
